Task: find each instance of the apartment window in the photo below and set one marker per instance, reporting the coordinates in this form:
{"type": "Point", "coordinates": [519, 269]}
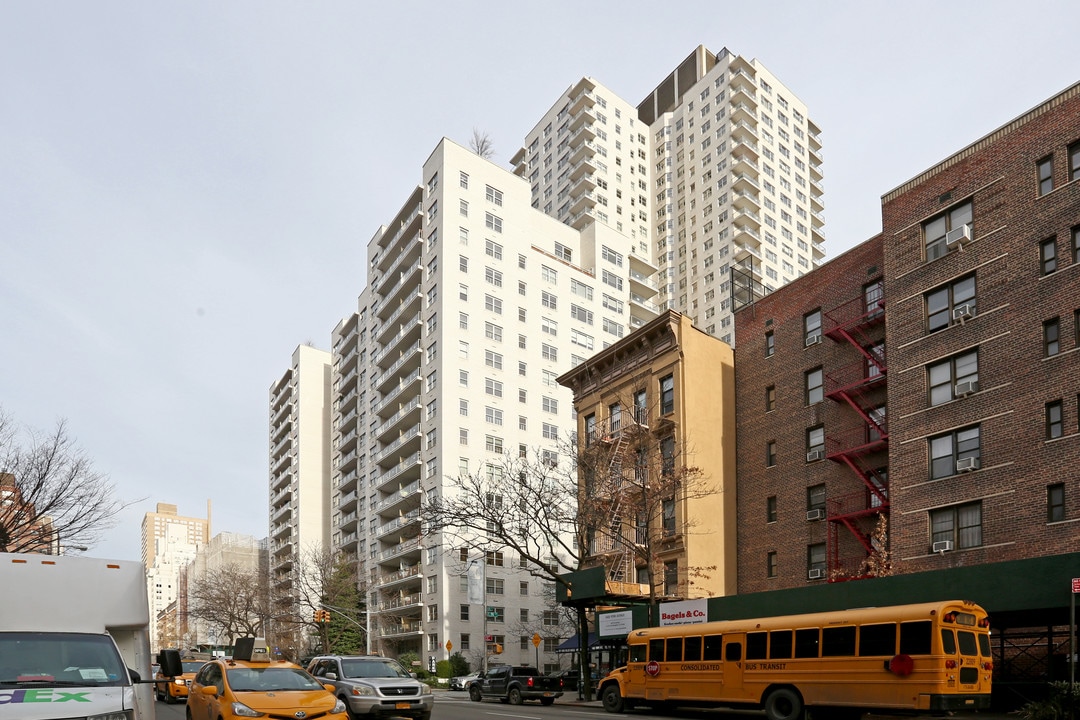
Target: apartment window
{"type": "Point", "coordinates": [770, 398]}
{"type": "Point", "coordinates": [1048, 256]}
{"type": "Point", "coordinates": [493, 277]}
{"type": "Point", "coordinates": [549, 274]}
{"type": "Point", "coordinates": [579, 313]}
{"type": "Point", "coordinates": [948, 377]}
{"type": "Point", "coordinates": [549, 327]}
{"type": "Point", "coordinates": [579, 288]}
{"type": "Point", "coordinates": [495, 559]}
{"type": "Point", "coordinates": [1076, 245]}
{"type": "Point", "coordinates": [1074, 161]}
{"type": "Point", "coordinates": [770, 564]}
{"type": "Point", "coordinates": [667, 394]}
{"type": "Point", "coordinates": [815, 497]}
{"type": "Point", "coordinates": [815, 386]}
{"type": "Point", "coordinates": [493, 249]}
{"type": "Point", "coordinates": [496, 614]}
{"type": "Point", "coordinates": [550, 405]}
{"type": "Point", "coordinates": [463, 436]}
{"type": "Point", "coordinates": [770, 453]}
{"type": "Point", "coordinates": [815, 560]}
{"type": "Point", "coordinates": [549, 352]}
{"type": "Point", "coordinates": [770, 509]}
{"type": "Point", "coordinates": [770, 344]}
{"type": "Point", "coordinates": [493, 359]}
{"type": "Point", "coordinates": [463, 264]}
{"type": "Point", "coordinates": [671, 578]}
{"type": "Point", "coordinates": [935, 230]}
{"type": "Point", "coordinates": [812, 328]}
{"type": "Point", "coordinates": [948, 450]}
{"type": "Point", "coordinates": [1045, 169]}
{"type": "Point", "coordinates": [463, 321]}
{"type": "Point", "coordinates": [815, 441]}
{"type": "Point", "coordinates": [611, 256]}
{"type": "Point", "coordinates": [1055, 425]}
{"type": "Point", "coordinates": [1052, 337]}
{"type": "Point", "coordinates": [433, 583]}
{"type": "Point", "coordinates": [493, 222]}
{"type": "Point", "coordinates": [493, 416]}
{"type": "Point", "coordinates": [493, 444]}
{"type": "Point", "coordinates": [960, 524]}
{"type": "Point", "coordinates": [463, 378]}
{"type": "Point", "coordinates": [947, 304]}
{"type": "Point", "coordinates": [667, 510]}
{"type": "Point", "coordinates": [463, 613]}
{"type": "Point", "coordinates": [493, 387]}
{"type": "Point", "coordinates": [521, 314]}
{"type": "Point", "coordinates": [523, 588]}
{"type": "Point", "coordinates": [522, 369]}
{"type": "Point", "coordinates": [494, 196]}
{"type": "Point", "coordinates": [563, 253]}
{"type": "Point", "coordinates": [1055, 502]}
{"type": "Point", "coordinates": [493, 332]}
{"type": "Point", "coordinates": [667, 455]}
{"type": "Point", "coordinates": [463, 208]}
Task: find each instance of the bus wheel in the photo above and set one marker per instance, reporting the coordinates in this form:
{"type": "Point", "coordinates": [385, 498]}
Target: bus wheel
{"type": "Point", "coordinates": [783, 704]}
{"type": "Point", "coordinates": [612, 698]}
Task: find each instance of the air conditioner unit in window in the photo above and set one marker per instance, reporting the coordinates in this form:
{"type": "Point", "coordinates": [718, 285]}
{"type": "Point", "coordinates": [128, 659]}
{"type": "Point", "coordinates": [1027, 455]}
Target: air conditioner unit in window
{"type": "Point", "coordinates": [815, 574]}
{"type": "Point", "coordinates": [961, 313]}
{"type": "Point", "coordinates": [966, 388]}
{"type": "Point", "coordinates": [813, 340]}
{"type": "Point", "coordinates": [967, 464]}
{"type": "Point", "coordinates": [815, 455]}
{"type": "Point", "coordinates": [942, 546]}
{"type": "Point", "coordinates": [958, 236]}
{"type": "Point", "coordinates": [817, 514]}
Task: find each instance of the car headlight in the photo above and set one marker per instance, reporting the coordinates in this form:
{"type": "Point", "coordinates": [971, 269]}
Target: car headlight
{"type": "Point", "coordinates": [243, 710]}
{"type": "Point", "coordinates": [180, 681]}
{"type": "Point", "coordinates": [339, 707]}
{"type": "Point", "coordinates": [425, 689]}
{"type": "Point", "coordinates": [115, 715]}
{"type": "Point", "coordinates": [362, 690]}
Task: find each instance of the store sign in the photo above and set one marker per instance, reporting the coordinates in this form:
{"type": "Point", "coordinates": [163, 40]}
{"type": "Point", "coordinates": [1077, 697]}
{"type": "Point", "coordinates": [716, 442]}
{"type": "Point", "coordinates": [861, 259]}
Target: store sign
{"type": "Point", "coordinates": [684, 612]}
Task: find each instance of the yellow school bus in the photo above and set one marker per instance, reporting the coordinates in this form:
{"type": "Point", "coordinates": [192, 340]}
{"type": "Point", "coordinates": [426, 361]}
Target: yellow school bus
{"type": "Point", "coordinates": [928, 657]}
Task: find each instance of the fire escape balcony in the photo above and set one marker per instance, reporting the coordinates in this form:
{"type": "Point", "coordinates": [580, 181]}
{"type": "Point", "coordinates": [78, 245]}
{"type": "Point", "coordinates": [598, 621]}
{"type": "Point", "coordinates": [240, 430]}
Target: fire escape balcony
{"type": "Point", "coordinates": [855, 379]}
{"type": "Point", "coordinates": [850, 321]}
{"type": "Point", "coordinates": [849, 445]}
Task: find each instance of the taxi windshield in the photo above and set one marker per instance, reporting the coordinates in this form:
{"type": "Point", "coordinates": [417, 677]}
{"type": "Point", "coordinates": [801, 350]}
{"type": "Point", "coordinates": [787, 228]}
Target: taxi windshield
{"type": "Point", "coordinates": [265, 679]}
{"type": "Point", "coordinates": [373, 669]}
{"type": "Point", "coordinates": [193, 667]}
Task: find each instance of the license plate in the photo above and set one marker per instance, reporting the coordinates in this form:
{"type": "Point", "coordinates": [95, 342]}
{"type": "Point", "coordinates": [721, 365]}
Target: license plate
{"type": "Point", "coordinates": [547, 694]}
{"type": "Point", "coordinates": [402, 706]}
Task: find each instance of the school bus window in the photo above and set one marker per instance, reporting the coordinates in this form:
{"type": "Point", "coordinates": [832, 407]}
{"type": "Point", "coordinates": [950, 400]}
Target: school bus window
{"type": "Point", "coordinates": [656, 650]}
{"type": "Point", "coordinates": [712, 648]}
{"type": "Point", "coordinates": [757, 646]}
{"type": "Point", "coordinates": [967, 642]}
{"type": "Point", "coordinates": [733, 652]}
{"type": "Point", "coordinates": [674, 650]}
{"type": "Point", "coordinates": [692, 649]}
{"type": "Point", "coordinates": [637, 653]}
{"type": "Point", "coordinates": [877, 639]}
{"type": "Point", "coordinates": [984, 645]}
{"type": "Point", "coordinates": [806, 643]}
{"type": "Point", "coordinates": [948, 642]}
{"type": "Point", "coordinates": [780, 645]}
{"type": "Point", "coordinates": [915, 637]}
{"type": "Point", "coordinates": [838, 641]}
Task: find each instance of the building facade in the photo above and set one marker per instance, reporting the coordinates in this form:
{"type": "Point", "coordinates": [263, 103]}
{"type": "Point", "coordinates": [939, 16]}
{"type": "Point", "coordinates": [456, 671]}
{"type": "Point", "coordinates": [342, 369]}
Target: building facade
{"type": "Point", "coordinates": [656, 434]}
{"type": "Point", "coordinates": [155, 525]}
{"type": "Point", "coordinates": [299, 467]}
{"type": "Point", "coordinates": [972, 293]}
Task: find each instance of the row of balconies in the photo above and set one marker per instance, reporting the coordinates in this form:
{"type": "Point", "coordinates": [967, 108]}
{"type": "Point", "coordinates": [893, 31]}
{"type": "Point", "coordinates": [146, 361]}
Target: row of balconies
{"type": "Point", "coordinates": [405, 227]}
{"type": "Point", "coordinates": [403, 254]}
{"type": "Point", "coordinates": [410, 461]}
{"type": "Point", "coordinates": [408, 356]}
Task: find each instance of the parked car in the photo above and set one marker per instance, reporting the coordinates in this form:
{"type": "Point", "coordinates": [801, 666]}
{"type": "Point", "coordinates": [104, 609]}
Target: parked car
{"type": "Point", "coordinates": [462, 682]}
{"type": "Point", "coordinates": [515, 684]}
{"type": "Point", "coordinates": [569, 678]}
{"type": "Point", "coordinates": [374, 686]}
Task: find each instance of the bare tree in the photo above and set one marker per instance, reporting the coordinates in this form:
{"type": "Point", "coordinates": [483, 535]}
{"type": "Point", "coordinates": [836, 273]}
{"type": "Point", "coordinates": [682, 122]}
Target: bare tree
{"type": "Point", "coordinates": [232, 600]}
{"type": "Point", "coordinates": [56, 499]}
{"type": "Point", "coordinates": [330, 582]}
{"type": "Point", "coordinates": [481, 144]}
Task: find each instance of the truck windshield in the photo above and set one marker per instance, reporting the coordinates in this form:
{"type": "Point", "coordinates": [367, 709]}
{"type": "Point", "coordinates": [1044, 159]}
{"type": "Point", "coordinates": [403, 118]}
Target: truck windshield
{"type": "Point", "coordinates": [51, 659]}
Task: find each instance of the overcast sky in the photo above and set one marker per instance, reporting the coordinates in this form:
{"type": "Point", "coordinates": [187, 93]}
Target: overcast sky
{"type": "Point", "coordinates": [187, 188]}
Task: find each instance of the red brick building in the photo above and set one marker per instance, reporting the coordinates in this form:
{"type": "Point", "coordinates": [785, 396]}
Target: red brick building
{"type": "Point", "coordinates": [944, 393]}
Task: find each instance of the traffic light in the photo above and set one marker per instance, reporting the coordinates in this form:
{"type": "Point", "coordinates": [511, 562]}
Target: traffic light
{"type": "Point", "coordinates": [498, 649]}
{"type": "Point", "coordinates": [316, 616]}
{"type": "Point", "coordinates": [324, 616]}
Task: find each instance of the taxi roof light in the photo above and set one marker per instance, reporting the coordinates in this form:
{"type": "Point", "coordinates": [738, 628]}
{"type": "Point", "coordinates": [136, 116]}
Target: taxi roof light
{"type": "Point", "coordinates": [251, 649]}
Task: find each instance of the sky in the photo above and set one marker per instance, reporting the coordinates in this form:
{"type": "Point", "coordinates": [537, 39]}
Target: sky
{"type": "Point", "coordinates": [187, 188]}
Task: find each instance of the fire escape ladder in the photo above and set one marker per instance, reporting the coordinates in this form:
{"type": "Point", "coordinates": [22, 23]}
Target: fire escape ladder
{"type": "Point", "coordinates": [620, 561]}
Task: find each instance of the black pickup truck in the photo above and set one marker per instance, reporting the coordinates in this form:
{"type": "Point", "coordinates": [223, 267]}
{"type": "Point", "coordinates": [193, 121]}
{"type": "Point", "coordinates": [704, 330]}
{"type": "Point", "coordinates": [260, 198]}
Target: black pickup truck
{"type": "Point", "coordinates": [514, 685]}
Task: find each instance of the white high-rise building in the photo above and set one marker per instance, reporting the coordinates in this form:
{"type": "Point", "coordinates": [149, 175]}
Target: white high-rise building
{"type": "Point", "coordinates": [475, 303]}
{"type": "Point", "coordinates": [174, 548]}
{"type": "Point", "coordinates": [718, 168]}
{"type": "Point", "coordinates": [299, 465]}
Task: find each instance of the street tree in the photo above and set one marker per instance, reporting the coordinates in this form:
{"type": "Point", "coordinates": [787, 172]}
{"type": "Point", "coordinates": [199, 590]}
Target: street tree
{"type": "Point", "coordinates": [330, 582]}
{"type": "Point", "coordinates": [232, 601]}
{"type": "Point", "coordinates": [58, 501]}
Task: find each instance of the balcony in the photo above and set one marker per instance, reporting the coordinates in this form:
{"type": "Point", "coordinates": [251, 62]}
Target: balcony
{"type": "Point", "coordinates": [745, 183]}
{"type": "Point", "coordinates": [389, 402]}
{"type": "Point", "coordinates": [280, 531]}
{"type": "Point", "coordinates": [403, 446]}
{"type": "Point", "coordinates": [584, 97]}
{"type": "Point", "coordinates": [347, 502]}
{"type": "Point", "coordinates": [408, 495]}
{"type": "Point", "coordinates": [747, 218]}
{"type": "Point", "coordinates": [281, 480]}
{"type": "Point", "coordinates": [409, 279]}
{"type": "Point", "coordinates": [854, 378]}
{"type": "Point", "coordinates": [745, 200]}
{"type": "Point", "coordinates": [742, 250]}
{"type": "Point", "coordinates": [405, 471]}
{"type": "Point", "coordinates": [584, 117]}
{"type": "Point", "coordinates": [849, 444]}
{"type": "Point", "coordinates": [743, 113]}
{"type": "Point", "coordinates": [742, 162]}
{"type": "Point", "coordinates": [408, 331]}
{"type": "Point", "coordinates": [406, 572]}
{"type": "Point", "coordinates": [582, 150]}
{"type": "Point", "coordinates": [586, 165]}
{"type": "Point", "coordinates": [642, 284]}
{"type": "Point", "coordinates": [401, 629]}
{"type": "Point", "coordinates": [403, 363]}
{"type": "Point", "coordinates": [407, 520]}
{"type": "Point", "coordinates": [407, 221]}
{"type": "Point", "coordinates": [583, 183]}
{"type": "Point", "coordinates": [402, 256]}
{"type": "Point", "coordinates": [743, 132]}
{"type": "Point", "coordinates": [280, 412]}
{"type": "Point", "coordinates": [583, 201]}
{"type": "Point", "coordinates": [409, 304]}
{"type": "Point", "coordinates": [281, 513]}
{"type": "Point", "coordinates": [400, 549]}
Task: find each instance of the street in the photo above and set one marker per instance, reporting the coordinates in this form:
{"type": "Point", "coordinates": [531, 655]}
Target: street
{"type": "Point", "coordinates": [457, 706]}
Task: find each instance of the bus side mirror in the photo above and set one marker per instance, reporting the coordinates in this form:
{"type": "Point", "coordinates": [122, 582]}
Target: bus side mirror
{"type": "Point", "coordinates": [171, 665]}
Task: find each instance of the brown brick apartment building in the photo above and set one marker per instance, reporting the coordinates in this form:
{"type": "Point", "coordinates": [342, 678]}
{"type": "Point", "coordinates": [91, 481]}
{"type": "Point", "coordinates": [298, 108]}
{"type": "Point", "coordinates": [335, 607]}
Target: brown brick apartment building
{"type": "Point", "coordinates": [930, 376]}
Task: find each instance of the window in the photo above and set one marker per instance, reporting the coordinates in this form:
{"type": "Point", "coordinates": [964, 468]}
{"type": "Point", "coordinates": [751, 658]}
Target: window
{"type": "Point", "coordinates": [960, 524]}
{"type": "Point", "coordinates": [549, 352]}
{"type": "Point", "coordinates": [493, 415]}
{"type": "Point", "coordinates": [948, 450]}
{"type": "Point", "coordinates": [1052, 337]}
{"type": "Point", "coordinates": [549, 274]}
{"type": "Point", "coordinates": [935, 230]}
{"type": "Point", "coordinates": [815, 441]}
{"type": "Point", "coordinates": [815, 386]}
{"type": "Point", "coordinates": [579, 313]}
{"type": "Point", "coordinates": [667, 394]}
{"type": "Point", "coordinates": [874, 297]}
{"type": "Point", "coordinates": [668, 516]}
{"type": "Point", "coordinates": [1076, 245]}
{"type": "Point", "coordinates": [770, 398]}
{"type": "Point", "coordinates": [463, 264]}
{"type": "Point", "coordinates": [815, 559]}
{"type": "Point", "coordinates": [563, 253]}
{"type": "Point", "coordinates": [463, 613]}
{"type": "Point", "coordinates": [493, 222]}
{"type": "Point", "coordinates": [947, 303]}
{"type": "Point", "coordinates": [1074, 161]}
{"type": "Point", "coordinates": [523, 588]}
{"type": "Point", "coordinates": [770, 344]}
{"type": "Point", "coordinates": [1055, 503]}
{"type": "Point", "coordinates": [671, 577]}
{"type": "Point", "coordinates": [493, 249]}
{"type": "Point", "coordinates": [770, 564]}
{"type": "Point", "coordinates": [549, 300]}
{"type": "Point", "coordinates": [494, 196]}
{"type": "Point", "coordinates": [949, 377]}
{"type": "Point", "coordinates": [812, 328]}
{"type": "Point", "coordinates": [493, 277]}
{"type": "Point", "coordinates": [493, 332]}
{"type": "Point", "coordinates": [581, 289]}
{"type": "Point", "coordinates": [815, 497]}
{"type": "Point", "coordinates": [1048, 256]}
{"type": "Point", "coordinates": [1045, 169]}
{"type": "Point", "coordinates": [493, 444]}
{"type": "Point", "coordinates": [770, 453]}
{"type": "Point", "coordinates": [1055, 426]}
{"type": "Point", "coordinates": [493, 387]}
{"type": "Point", "coordinates": [463, 208]}
{"type": "Point", "coordinates": [550, 405]}
{"type": "Point", "coordinates": [493, 359]}
{"type": "Point", "coordinates": [770, 509]}
{"type": "Point", "coordinates": [494, 559]}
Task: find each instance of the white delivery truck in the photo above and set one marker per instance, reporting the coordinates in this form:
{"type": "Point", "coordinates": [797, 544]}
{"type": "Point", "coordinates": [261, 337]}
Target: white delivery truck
{"type": "Point", "coordinates": [74, 639]}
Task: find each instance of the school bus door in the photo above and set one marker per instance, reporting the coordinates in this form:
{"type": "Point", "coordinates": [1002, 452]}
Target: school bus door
{"type": "Point", "coordinates": [733, 664]}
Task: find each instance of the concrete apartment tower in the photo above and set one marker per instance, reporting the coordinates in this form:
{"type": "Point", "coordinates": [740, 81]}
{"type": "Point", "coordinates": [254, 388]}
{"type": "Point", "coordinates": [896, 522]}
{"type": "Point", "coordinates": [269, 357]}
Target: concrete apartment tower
{"type": "Point", "coordinates": [155, 524]}
{"type": "Point", "coordinates": [718, 167]}
{"type": "Point", "coordinates": [299, 465]}
{"type": "Point", "coordinates": [475, 303]}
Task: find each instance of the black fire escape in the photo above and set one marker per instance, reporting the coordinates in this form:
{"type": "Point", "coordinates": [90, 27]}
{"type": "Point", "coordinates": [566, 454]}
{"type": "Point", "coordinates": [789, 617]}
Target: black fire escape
{"type": "Point", "coordinates": [860, 441]}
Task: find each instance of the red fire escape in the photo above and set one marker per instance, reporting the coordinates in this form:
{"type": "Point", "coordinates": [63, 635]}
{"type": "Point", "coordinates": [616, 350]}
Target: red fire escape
{"type": "Point", "coordinates": [858, 388]}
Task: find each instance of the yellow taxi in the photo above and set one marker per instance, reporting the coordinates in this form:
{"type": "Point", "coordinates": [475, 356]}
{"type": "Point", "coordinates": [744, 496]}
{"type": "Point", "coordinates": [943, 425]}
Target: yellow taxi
{"type": "Point", "coordinates": [175, 689]}
{"type": "Point", "coordinates": [251, 685]}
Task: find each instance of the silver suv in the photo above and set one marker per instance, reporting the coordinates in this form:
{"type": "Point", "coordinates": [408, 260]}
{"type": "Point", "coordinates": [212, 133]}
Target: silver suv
{"type": "Point", "coordinates": [373, 686]}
